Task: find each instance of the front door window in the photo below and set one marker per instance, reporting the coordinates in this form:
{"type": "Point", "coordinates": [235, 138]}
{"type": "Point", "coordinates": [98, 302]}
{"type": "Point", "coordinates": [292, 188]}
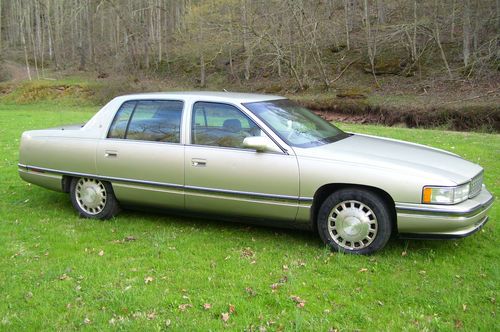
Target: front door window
{"type": "Point", "coordinates": [222, 125]}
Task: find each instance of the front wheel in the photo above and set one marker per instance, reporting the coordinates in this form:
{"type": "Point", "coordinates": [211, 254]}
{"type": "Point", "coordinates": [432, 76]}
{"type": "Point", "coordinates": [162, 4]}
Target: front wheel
{"type": "Point", "coordinates": [354, 221]}
{"type": "Point", "coordinates": [93, 198]}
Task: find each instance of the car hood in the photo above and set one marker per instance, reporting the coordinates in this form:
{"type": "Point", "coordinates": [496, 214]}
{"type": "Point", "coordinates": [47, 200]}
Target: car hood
{"type": "Point", "coordinates": [396, 155]}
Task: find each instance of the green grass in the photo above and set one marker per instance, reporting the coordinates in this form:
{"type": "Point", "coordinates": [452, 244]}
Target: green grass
{"type": "Point", "coordinates": [52, 276]}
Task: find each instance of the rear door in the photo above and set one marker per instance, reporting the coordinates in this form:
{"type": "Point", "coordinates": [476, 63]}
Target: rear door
{"type": "Point", "coordinates": [223, 177]}
{"type": "Point", "coordinates": [143, 156]}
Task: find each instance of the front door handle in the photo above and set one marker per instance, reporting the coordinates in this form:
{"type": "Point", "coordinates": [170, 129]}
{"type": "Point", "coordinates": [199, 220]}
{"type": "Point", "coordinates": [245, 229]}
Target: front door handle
{"type": "Point", "coordinates": [195, 162]}
{"type": "Point", "coordinates": [110, 154]}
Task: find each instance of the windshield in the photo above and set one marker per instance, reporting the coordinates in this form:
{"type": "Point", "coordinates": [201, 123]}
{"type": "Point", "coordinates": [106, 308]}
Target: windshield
{"type": "Point", "coordinates": [294, 124]}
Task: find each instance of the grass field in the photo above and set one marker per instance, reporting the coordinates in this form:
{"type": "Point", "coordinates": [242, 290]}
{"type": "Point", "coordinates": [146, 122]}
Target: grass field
{"type": "Point", "coordinates": [144, 271]}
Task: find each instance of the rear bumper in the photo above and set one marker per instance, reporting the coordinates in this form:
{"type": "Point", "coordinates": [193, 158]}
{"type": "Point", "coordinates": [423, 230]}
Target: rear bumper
{"type": "Point", "coordinates": [444, 222]}
{"type": "Point", "coordinates": [41, 177]}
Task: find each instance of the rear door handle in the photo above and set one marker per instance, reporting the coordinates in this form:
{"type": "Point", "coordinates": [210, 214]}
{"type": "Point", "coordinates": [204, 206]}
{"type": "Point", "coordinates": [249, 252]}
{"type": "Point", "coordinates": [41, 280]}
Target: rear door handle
{"type": "Point", "coordinates": [195, 162]}
{"type": "Point", "coordinates": [110, 154]}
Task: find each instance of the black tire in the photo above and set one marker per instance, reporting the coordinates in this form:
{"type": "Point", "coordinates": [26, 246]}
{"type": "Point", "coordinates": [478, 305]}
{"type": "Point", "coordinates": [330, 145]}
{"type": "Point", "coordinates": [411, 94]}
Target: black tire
{"type": "Point", "coordinates": [93, 198]}
{"type": "Point", "coordinates": [361, 222]}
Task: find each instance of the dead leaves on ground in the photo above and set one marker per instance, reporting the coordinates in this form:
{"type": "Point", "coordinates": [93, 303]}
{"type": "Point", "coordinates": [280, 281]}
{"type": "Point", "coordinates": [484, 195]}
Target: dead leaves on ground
{"type": "Point", "coordinates": [225, 315]}
{"type": "Point", "coordinates": [128, 238]}
{"type": "Point", "coordinates": [300, 302]}
{"type": "Point", "coordinates": [184, 307]}
{"type": "Point", "coordinates": [249, 254]}
{"type": "Point", "coordinates": [250, 291]}
{"type": "Point", "coordinates": [281, 282]}
{"type": "Point", "coordinates": [64, 276]}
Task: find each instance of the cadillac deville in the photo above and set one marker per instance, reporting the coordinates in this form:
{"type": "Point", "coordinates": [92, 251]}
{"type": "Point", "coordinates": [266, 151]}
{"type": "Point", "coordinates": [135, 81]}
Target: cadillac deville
{"type": "Point", "coordinates": [257, 158]}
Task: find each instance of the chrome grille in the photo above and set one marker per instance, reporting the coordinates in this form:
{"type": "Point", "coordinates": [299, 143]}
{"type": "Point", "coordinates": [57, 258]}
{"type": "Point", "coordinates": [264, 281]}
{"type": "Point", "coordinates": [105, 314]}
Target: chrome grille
{"type": "Point", "coordinates": [476, 184]}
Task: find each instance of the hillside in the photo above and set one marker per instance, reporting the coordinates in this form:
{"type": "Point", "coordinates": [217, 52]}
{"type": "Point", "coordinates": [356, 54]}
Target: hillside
{"type": "Point", "coordinates": [413, 63]}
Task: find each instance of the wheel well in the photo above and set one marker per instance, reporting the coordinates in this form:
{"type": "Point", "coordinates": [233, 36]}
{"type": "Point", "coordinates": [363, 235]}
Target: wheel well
{"type": "Point", "coordinates": [323, 192]}
{"type": "Point", "coordinates": [66, 183]}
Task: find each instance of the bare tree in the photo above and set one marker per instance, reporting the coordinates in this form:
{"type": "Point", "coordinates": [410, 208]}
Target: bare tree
{"type": "Point", "coordinates": [438, 38]}
{"type": "Point", "coordinates": [466, 32]}
{"type": "Point", "coordinates": [348, 17]}
{"type": "Point", "coordinates": [371, 41]}
{"type": "Point", "coordinates": [202, 55]}
{"type": "Point", "coordinates": [249, 39]}
{"type": "Point", "coordinates": [1, 27]}
{"type": "Point", "coordinates": [246, 46]}
{"type": "Point", "coordinates": [381, 11]}
{"type": "Point", "coordinates": [498, 14]}
{"type": "Point", "coordinates": [23, 40]}
{"type": "Point", "coordinates": [452, 29]}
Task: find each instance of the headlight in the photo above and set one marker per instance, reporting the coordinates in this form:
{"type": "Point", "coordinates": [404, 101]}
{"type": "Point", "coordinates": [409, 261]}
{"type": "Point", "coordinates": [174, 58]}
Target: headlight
{"type": "Point", "coordinates": [445, 195]}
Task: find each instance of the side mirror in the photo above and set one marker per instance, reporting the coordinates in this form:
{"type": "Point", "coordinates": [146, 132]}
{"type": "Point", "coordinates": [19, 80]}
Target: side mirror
{"type": "Point", "coordinates": [260, 144]}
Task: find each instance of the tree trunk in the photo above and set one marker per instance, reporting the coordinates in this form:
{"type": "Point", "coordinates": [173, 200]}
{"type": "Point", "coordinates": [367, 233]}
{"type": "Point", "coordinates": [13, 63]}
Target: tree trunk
{"type": "Point", "coordinates": [414, 39]}
{"type": "Point", "coordinates": [1, 31]}
{"type": "Point", "coordinates": [452, 29]}
{"type": "Point", "coordinates": [35, 56]}
{"type": "Point", "coordinates": [369, 41]}
{"type": "Point", "coordinates": [37, 45]}
{"type": "Point", "coordinates": [246, 47]}
{"type": "Point", "coordinates": [159, 36]}
{"type": "Point", "coordinates": [90, 31]}
{"type": "Point", "coordinates": [81, 44]}
{"type": "Point", "coordinates": [498, 15]}
{"type": "Point", "coordinates": [230, 46]}
{"type": "Point", "coordinates": [477, 25]}
{"type": "Point", "coordinates": [466, 32]}
{"type": "Point", "coordinates": [438, 38]}
{"type": "Point", "coordinates": [146, 36]}
{"type": "Point", "coordinates": [381, 11]}
{"type": "Point", "coordinates": [202, 57]}
{"type": "Point", "coordinates": [23, 41]}
{"type": "Point", "coordinates": [348, 23]}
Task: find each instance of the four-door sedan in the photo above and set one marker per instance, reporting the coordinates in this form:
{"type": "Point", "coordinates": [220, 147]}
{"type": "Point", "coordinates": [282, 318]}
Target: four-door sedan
{"type": "Point", "coordinates": [258, 158]}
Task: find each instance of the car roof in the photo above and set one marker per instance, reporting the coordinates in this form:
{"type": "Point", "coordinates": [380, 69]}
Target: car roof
{"type": "Point", "coordinates": [234, 97]}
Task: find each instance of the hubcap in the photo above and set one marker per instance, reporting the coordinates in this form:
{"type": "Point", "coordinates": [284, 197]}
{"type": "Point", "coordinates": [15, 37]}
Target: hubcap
{"type": "Point", "coordinates": [352, 225]}
{"type": "Point", "coordinates": [90, 195]}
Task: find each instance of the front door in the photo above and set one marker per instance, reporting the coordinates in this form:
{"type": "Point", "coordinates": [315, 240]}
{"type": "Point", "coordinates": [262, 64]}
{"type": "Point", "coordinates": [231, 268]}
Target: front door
{"type": "Point", "coordinates": [223, 177]}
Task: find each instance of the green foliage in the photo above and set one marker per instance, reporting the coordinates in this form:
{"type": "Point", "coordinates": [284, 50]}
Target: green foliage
{"type": "Point", "coordinates": [70, 91]}
{"type": "Point", "coordinates": [385, 67]}
{"type": "Point", "coordinates": [353, 93]}
{"type": "Point", "coordinates": [40, 91]}
{"type": "Point", "coordinates": [147, 271]}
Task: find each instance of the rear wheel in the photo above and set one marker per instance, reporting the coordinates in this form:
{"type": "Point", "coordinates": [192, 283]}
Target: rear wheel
{"type": "Point", "coordinates": [93, 198]}
{"type": "Point", "coordinates": [354, 221]}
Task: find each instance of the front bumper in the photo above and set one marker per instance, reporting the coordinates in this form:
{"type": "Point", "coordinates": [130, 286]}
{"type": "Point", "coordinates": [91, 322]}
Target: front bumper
{"type": "Point", "coordinates": [444, 221]}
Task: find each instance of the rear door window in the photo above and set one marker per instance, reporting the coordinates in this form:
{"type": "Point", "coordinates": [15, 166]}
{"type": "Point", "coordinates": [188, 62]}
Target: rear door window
{"type": "Point", "coordinates": [149, 120]}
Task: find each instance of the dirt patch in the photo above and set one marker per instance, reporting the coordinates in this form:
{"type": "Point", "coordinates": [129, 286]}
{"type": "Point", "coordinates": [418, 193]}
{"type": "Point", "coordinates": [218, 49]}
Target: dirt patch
{"type": "Point", "coordinates": [471, 118]}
